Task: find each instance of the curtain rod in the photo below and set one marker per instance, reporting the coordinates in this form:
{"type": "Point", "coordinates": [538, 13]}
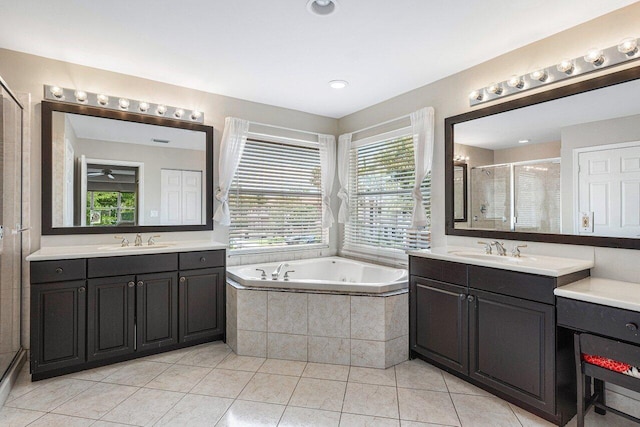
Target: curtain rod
{"type": "Point", "coordinates": [381, 124]}
{"type": "Point", "coordinates": [285, 128]}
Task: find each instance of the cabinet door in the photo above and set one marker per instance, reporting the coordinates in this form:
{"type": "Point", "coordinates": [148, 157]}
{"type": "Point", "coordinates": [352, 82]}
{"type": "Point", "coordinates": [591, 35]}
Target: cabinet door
{"type": "Point", "coordinates": [111, 317]}
{"type": "Point", "coordinates": [157, 310]}
{"type": "Point", "coordinates": [201, 304]}
{"type": "Point", "coordinates": [438, 319]}
{"type": "Point", "coordinates": [512, 347]}
{"type": "Point", "coordinates": [58, 325]}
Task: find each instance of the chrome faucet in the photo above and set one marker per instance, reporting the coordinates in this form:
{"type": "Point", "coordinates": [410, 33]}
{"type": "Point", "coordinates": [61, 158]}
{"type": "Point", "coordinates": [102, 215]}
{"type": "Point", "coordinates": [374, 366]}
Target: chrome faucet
{"type": "Point", "coordinates": [276, 272]}
{"type": "Point", "coordinates": [516, 250]}
{"type": "Point", "coordinates": [138, 241]}
{"type": "Point", "coordinates": [487, 247]}
{"type": "Point", "coordinates": [500, 248]}
{"type": "Point", "coordinates": [124, 243]}
{"type": "Point", "coordinates": [152, 240]}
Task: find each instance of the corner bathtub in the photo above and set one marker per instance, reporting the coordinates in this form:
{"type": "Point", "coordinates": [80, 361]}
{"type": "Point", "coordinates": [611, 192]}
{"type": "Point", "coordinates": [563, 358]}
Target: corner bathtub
{"type": "Point", "coordinates": [328, 274]}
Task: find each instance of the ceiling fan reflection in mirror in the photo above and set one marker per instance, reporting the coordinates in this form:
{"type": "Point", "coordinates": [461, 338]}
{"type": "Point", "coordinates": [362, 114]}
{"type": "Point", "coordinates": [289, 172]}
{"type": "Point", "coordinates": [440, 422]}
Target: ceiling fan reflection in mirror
{"type": "Point", "coordinates": [104, 172]}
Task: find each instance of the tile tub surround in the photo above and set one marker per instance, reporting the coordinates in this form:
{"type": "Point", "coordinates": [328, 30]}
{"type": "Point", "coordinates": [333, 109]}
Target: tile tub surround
{"type": "Point", "coordinates": [367, 331]}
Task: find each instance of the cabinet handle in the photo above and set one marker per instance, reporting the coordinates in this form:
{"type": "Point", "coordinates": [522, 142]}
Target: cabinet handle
{"type": "Point", "coordinates": [470, 298]}
{"type": "Point", "coordinates": [59, 270]}
{"type": "Point", "coordinates": [462, 296]}
{"type": "Point", "coordinates": [131, 284]}
{"type": "Point", "coordinates": [632, 327]}
{"type": "Point", "coordinates": [202, 259]}
{"type": "Point", "coordinates": [140, 283]}
{"type": "Point", "coordinates": [183, 279]}
{"type": "Point", "coordinates": [82, 289]}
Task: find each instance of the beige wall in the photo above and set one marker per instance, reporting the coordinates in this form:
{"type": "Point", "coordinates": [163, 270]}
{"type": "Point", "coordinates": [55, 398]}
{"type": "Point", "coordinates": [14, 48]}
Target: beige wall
{"type": "Point", "coordinates": [546, 150]}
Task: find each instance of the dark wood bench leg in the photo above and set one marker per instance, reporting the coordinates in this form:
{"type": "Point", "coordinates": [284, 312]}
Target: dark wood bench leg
{"type": "Point", "coordinates": [598, 386]}
{"type": "Point", "coordinates": [580, 381]}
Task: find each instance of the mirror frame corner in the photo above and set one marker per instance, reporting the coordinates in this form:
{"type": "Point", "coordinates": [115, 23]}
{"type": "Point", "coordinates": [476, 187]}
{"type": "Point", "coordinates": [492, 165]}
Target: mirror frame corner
{"type": "Point", "coordinates": [598, 82]}
{"type": "Point", "coordinates": [47, 110]}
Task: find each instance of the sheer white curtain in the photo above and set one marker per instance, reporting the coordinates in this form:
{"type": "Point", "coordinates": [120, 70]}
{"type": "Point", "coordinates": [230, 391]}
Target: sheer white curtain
{"type": "Point", "coordinates": [234, 138]}
{"type": "Point", "coordinates": [422, 130]}
{"type": "Point", "coordinates": [327, 171]}
{"type": "Point", "coordinates": [344, 149]}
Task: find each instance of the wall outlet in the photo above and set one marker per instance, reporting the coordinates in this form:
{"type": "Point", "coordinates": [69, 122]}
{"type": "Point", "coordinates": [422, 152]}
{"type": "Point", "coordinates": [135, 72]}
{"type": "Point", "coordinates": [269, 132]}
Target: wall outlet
{"type": "Point", "coordinates": [586, 222]}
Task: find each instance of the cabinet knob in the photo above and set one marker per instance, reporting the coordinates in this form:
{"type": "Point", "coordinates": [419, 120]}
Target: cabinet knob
{"type": "Point", "coordinates": [131, 284]}
{"type": "Point", "coordinates": [140, 283]}
{"type": "Point", "coordinates": [82, 289]}
{"type": "Point", "coordinates": [462, 296]}
{"type": "Point", "coordinates": [202, 259]}
{"type": "Point", "coordinates": [59, 270]}
{"type": "Point", "coordinates": [632, 326]}
{"type": "Point", "coordinates": [470, 298]}
{"type": "Point", "coordinates": [183, 279]}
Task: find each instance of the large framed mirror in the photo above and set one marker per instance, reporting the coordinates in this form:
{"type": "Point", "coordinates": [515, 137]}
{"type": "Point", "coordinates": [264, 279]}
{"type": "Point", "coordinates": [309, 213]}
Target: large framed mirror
{"type": "Point", "coordinates": [560, 166]}
{"type": "Point", "coordinates": [108, 171]}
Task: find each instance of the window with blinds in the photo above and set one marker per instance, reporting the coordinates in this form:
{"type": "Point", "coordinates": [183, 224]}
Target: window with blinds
{"type": "Point", "coordinates": [275, 199]}
{"type": "Point", "coordinates": [382, 175]}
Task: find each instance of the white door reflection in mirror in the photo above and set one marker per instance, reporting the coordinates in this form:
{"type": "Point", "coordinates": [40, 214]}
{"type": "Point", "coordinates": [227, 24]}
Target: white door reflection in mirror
{"type": "Point", "coordinates": [181, 197]}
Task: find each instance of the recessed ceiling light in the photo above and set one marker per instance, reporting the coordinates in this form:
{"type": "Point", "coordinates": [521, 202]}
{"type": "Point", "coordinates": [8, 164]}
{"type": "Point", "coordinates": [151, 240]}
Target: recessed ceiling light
{"type": "Point", "coordinates": [322, 7]}
{"type": "Point", "coordinates": [338, 84]}
{"type": "Point", "coordinates": [523, 141]}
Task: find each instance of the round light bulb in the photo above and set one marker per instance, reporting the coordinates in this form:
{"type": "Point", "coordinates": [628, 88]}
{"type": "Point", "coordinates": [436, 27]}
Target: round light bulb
{"type": "Point", "coordinates": [123, 103]}
{"type": "Point", "coordinates": [495, 88]}
{"type": "Point", "coordinates": [628, 46]}
{"type": "Point", "coordinates": [516, 81]}
{"type": "Point", "coordinates": [178, 113]}
{"type": "Point", "coordinates": [475, 95]}
{"type": "Point", "coordinates": [338, 84]}
{"type": "Point", "coordinates": [57, 91]}
{"type": "Point", "coordinates": [539, 74]}
{"type": "Point", "coordinates": [595, 57]}
{"type": "Point", "coordinates": [161, 109]}
{"type": "Point", "coordinates": [523, 141]}
{"type": "Point", "coordinates": [195, 115]}
{"type": "Point", "coordinates": [566, 66]}
{"type": "Point", "coordinates": [143, 106]}
{"type": "Point", "coordinates": [81, 96]}
{"type": "Point", "coordinates": [102, 99]}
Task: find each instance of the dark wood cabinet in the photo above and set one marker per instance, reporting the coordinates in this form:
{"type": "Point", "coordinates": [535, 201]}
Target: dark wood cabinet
{"type": "Point", "coordinates": [496, 329]}
{"type": "Point", "coordinates": [111, 319]}
{"type": "Point", "coordinates": [440, 322]}
{"type": "Point", "coordinates": [58, 325]}
{"type": "Point", "coordinates": [82, 316]}
{"type": "Point", "coordinates": [202, 304]}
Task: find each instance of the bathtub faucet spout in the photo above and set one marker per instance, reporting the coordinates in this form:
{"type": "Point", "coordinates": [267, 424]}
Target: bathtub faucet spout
{"type": "Point", "coordinates": [276, 272]}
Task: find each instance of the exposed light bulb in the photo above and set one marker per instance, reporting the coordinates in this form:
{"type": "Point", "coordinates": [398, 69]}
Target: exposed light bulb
{"type": "Point", "coordinates": [540, 74]}
{"type": "Point", "coordinates": [81, 96]}
{"type": "Point", "coordinates": [123, 103]}
{"type": "Point", "coordinates": [516, 81]}
{"type": "Point", "coordinates": [57, 91]}
{"type": "Point", "coordinates": [338, 84]}
{"type": "Point", "coordinates": [143, 106]}
{"type": "Point", "coordinates": [161, 109]}
{"type": "Point", "coordinates": [179, 113]}
{"type": "Point", "coordinates": [102, 99]}
{"type": "Point", "coordinates": [476, 95]}
{"type": "Point", "coordinates": [195, 115]}
{"type": "Point", "coordinates": [523, 141]}
{"type": "Point", "coordinates": [495, 88]}
{"type": "Point", "coordinates": [628, 46]}
{"type": "Point", "coordinates": [595, 57]}
{"type": "Point", "coordinates": [566, 66]}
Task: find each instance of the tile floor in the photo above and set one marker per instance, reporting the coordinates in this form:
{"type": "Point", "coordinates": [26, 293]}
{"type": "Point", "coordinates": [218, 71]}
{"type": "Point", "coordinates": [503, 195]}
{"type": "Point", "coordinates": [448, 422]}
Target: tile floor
{"type": "Point", "coordinates": [209, 385]}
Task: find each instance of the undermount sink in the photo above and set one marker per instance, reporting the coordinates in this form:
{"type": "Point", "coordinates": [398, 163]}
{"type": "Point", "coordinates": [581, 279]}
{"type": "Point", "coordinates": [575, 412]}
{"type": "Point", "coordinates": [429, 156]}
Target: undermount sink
{"type": "Point", "coordinates": [132, 248]}
{"type": "Point", "coordinates": [494, 258]}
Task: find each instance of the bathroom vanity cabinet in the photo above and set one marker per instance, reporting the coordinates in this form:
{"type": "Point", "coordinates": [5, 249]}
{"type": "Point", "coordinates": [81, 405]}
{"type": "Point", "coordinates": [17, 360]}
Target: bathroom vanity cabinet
{"type": "Point", "coordinates": [93, 311]}
{"type": "Point", "coordinates": [496, 329]}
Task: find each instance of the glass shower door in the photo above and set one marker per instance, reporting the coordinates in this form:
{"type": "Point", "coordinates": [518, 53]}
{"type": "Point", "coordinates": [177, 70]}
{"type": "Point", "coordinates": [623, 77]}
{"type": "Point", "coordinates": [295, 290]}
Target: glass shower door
{"type": "Point", "coordinates": [10, 221]}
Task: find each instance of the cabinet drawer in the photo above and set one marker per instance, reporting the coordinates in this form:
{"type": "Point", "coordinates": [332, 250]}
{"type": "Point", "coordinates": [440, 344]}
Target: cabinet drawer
{"type": "Point", "coordinates": [58, 270]}
{"type": "Point", "coordinates": [442, 271]}
{"type": "Point", "coordinates": [599, 319]}
{"type": "Point", "coordinates": [512, 283]}
{"type": "Point", "coordinates": [203, 259]}
{"type": "Point", "coordinates": [136, 264]}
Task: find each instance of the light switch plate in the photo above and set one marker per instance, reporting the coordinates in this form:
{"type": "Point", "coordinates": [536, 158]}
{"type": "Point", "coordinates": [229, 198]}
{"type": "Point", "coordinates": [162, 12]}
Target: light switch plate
{"type": "Point", "coordinates": [586, 222]}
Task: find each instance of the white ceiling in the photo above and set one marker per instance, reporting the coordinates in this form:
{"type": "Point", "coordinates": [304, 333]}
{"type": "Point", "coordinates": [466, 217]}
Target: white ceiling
{"type": "Point", "coordinates": [275, 52]}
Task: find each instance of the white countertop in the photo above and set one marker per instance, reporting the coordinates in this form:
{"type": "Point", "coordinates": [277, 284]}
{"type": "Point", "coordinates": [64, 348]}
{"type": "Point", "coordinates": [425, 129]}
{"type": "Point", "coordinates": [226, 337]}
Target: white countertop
{"type": "Point", "coordinates": [533, 264]}
{"type": "Point", "coordinates": [97, 251]}
{"type": "Point", "coordinates": [613, 293]}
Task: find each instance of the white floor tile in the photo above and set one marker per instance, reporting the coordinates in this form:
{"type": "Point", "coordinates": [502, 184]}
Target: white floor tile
{"type": "Point", "coordinates": [368, 399]}
{"type": "Point", "coordinates": [269, 388]}
{"type": "Point", "coordinates": [319, 394]}
{"type": "Point", "coordinates": [251, 414]}
{"type": "Point", "coordinates": [144, 408]}
{"type": "Point", "coordinates": [305, 417]}
{"type": "Point", "coordinates": [194, 411]}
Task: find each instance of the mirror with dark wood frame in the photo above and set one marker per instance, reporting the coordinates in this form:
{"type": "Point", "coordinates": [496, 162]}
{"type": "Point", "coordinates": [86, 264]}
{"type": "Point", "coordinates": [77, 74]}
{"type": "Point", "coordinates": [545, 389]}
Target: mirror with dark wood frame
{"type": "Point", "coordinates": [109, 171]}
{"type": "Point", "coordinates": [560, 166]}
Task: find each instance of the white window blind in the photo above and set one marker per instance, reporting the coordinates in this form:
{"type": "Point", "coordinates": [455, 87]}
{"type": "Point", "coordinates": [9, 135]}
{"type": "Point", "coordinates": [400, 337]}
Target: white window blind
{"type": "Point", "coordinates": [275, 199]}
{"type": "Point", "coordinates": [382, 175]}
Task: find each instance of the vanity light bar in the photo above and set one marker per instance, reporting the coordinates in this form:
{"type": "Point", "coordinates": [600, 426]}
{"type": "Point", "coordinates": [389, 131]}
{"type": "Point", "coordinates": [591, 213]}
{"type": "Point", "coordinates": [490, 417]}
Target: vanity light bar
{"type": "Point", "coordinates": [56, 93]}
{"type": "Point", "coordinates": [593, 60]}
